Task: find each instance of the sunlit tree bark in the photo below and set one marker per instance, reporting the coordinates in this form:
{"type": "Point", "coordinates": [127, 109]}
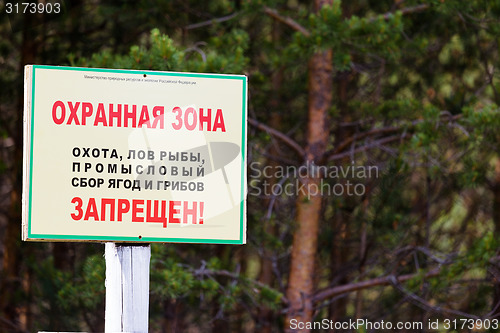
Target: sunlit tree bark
{"type": "Point", "coordinates": [304, 248]}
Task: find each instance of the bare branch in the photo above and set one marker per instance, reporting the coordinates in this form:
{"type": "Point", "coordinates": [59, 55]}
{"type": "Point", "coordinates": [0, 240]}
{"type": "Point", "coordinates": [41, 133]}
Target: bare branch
{"type": "Point", "coordinates": [359, 136]}
{"type": "Point", "coordinates": [212, 21]}
{"type": "Point", "coordinates": [427, 252]}
{"type": "Point", "coordinates": [336, 153]}
{"type": "Point", "coordinates": [404, 11]}
{"type": "Point", "coordinates": [297, 27]}
{"type": "Point", "coordinates": [368, 146]}
{"type": "Point", "coordinates": [414, 9]}
{"type": "Point", "coordinates": [202, 271]}
{"type": "Point", "coordinates": [381, 281]}
{"type": "Point", "coordinates": [422, 303]}
{"type": "Point", "coordinates": [283, 137]}
{"type": "Point", "coordinates": [287, 20]}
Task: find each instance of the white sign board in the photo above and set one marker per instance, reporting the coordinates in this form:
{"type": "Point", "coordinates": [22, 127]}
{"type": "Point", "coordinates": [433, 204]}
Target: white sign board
{"type": "Point", "coordinates": [134, 156]}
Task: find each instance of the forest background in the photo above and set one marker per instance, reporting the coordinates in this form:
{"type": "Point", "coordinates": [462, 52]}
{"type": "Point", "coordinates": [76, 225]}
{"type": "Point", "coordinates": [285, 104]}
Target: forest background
{"type": "Point", "coordinates": [409, 89]}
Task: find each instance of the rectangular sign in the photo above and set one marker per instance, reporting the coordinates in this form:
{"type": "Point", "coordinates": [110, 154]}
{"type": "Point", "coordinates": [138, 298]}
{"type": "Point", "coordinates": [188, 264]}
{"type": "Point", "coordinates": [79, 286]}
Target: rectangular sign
{"type": "Point", "coordinates": [134, 156]}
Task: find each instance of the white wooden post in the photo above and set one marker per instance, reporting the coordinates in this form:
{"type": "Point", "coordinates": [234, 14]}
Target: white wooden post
{"type": "Point", "coordinates": [127, 288]}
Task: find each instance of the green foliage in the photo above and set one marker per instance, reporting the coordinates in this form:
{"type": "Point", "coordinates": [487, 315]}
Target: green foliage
{"type": "Point", "coordinates": [171, 280]}
{"type": "Point", "coordinates": [348, 37]}
{"type": "Point", "coordinates": [87, 290]}
{"type": "Point", "coordinates": [472, 262]}
{"type": "Point", "coordinates": [161, 53]}
{"type": "Point", "coordinates": [484, 120]}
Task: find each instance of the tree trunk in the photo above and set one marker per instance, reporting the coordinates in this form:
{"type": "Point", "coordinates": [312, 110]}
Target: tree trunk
{"type": "Point", "coordinates": [266, 276]}
{"type": "Point", "coordinates": [496, 220]}
{"type": "Point", "coordinates": [10, 307]}
{"type": "Point", "coordinates": [300, 285]}
{"type": "Point", "coordinates": [338, 308]}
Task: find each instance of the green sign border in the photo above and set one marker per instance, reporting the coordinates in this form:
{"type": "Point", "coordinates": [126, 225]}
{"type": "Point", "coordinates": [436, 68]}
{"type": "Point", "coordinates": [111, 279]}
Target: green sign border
{"type": "Point", "coordinates": [47, 237]}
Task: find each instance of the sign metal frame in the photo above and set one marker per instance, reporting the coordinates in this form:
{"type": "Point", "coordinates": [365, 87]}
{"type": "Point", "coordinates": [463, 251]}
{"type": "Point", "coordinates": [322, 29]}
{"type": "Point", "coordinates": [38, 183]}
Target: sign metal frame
{"type": "Point", "coordinates": [30, 135]}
